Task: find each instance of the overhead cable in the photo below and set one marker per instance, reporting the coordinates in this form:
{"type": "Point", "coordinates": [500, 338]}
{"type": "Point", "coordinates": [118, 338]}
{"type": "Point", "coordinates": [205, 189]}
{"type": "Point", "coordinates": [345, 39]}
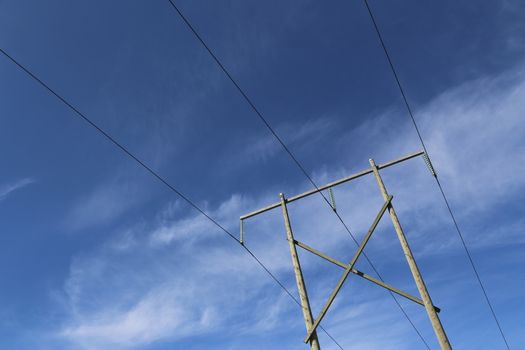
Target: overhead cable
{"type": "Point", "coordinates": [283, 145]}
{"type": "Point", "coordinates": [441, 190]}
{"type": "Point", "coordinates": [152, 172]}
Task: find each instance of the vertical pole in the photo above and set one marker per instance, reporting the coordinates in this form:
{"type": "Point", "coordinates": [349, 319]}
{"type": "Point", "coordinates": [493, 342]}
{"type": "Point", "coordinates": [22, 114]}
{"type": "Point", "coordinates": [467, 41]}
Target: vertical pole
{"type": "Point", "coordinates": [305, 303]}
{"type": "Point", "coordinates": [427, 301]}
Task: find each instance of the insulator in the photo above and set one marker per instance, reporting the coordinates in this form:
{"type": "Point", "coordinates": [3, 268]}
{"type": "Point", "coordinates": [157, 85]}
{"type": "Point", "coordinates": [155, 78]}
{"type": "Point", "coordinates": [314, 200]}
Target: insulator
{"type": "Point", "coordinates": [242, 232]}
{"type": "Point", "coordinates": [429, 164]}
{"type": "Point", "coordinates": [332, 199]}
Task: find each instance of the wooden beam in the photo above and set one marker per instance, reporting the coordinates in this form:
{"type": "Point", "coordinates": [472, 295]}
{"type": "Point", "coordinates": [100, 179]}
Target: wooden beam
{"type": "Point", "coordinates": [332, 184]}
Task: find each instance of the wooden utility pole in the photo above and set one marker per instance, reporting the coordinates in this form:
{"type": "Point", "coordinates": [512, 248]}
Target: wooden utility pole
{"type": "Point", "coordinates": [422, 288]}
{"type": "Point", "coordinates": [303, 295]}
{"type": "Point", "coordinates": [349, 268]}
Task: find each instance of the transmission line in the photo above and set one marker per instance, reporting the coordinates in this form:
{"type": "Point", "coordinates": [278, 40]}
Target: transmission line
{"type": "Point", "coordinates": [141, 163]}
{"type": "Point", "coordinates": [287, 150]}
{"type": "Point", "coordinates": [441, 190]}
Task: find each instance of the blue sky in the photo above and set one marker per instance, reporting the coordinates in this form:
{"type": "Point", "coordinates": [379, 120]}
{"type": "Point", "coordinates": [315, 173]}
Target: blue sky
{"type": "Point", "coordinates": [97, 254]}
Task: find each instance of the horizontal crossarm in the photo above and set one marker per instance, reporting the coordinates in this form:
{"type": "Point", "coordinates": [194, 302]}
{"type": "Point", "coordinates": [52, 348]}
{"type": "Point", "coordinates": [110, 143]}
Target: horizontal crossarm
{"type": "Point", "coordinates": [348, 269]}
{"type": "Point", "coordinates": [332, 184]}
{"type": "Point", "coordinates": [363, 275]}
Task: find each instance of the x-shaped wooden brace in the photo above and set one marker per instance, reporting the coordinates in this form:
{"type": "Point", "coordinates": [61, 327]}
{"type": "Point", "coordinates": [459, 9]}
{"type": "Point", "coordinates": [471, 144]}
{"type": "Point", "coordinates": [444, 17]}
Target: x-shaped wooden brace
{"type": "Point", "coordinates": [349, 268]}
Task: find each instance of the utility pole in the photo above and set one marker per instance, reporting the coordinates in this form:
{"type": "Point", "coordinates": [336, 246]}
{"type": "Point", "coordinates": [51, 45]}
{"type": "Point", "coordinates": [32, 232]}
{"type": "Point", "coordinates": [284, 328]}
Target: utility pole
{"type": "Point", "coordinates": [349, 268]}
{"type": "Point", "coordinates": [303, 295]}
{"type": "Point", "coordinates": [422, 288]}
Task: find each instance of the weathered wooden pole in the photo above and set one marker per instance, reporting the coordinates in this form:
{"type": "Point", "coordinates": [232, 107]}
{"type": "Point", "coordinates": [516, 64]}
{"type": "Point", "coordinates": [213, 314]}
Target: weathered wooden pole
{"type": "Point", "coordinates": [427, 301]}
{"type": "Point", "coordinates": [303, 295]}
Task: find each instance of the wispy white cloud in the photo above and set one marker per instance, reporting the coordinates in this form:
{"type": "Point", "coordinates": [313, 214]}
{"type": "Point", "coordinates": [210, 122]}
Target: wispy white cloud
{"type": "Point", "coordinates": [6, 189]}
{"type": "Point", "coordinates": [299, 138]}
{"type": "Point", "coordinates": [182, 273]}
{"type": "Point", "coordinates": [159, 313]}
{"type": "Point", "coordinates": [175, 277]}
{"type": "Point", "coordinates": [104, 203]}
{"type": "Point", "coordinates": [195, 226]}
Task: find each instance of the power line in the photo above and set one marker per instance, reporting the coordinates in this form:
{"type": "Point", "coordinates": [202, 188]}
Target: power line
{"type": "Point", "coordinates": [281, 142]}
{"type": "Point", "coordinates": [157, 176]}
{"type": "Point", "coordinates": [442, 191]}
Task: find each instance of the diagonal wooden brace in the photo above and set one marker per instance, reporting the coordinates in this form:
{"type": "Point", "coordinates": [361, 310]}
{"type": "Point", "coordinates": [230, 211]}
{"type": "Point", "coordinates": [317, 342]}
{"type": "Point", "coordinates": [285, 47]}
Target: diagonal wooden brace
{"type": "Point", "coordinates": [363, 275]}
{"type": "Point", "coordinates": [348, 269]}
